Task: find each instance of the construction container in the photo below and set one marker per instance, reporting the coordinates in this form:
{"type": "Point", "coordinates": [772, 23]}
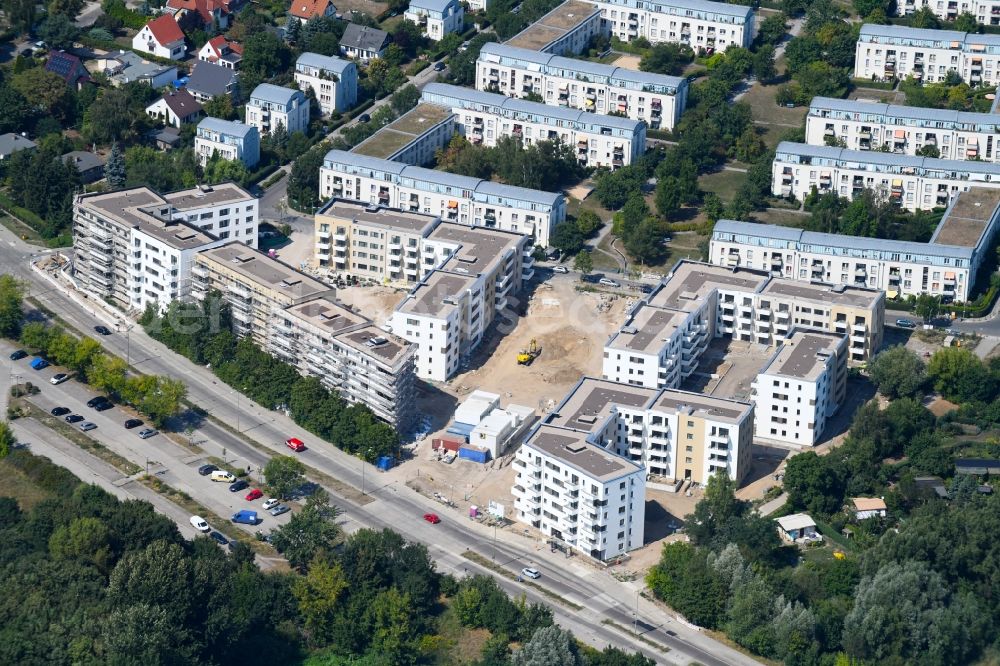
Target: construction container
{"type": "Point", "coordinates": [384, 463]}
{"type": "Point", "coordinates": [446, 444]}
{"type": "Point", "coordinates": [474, 453]}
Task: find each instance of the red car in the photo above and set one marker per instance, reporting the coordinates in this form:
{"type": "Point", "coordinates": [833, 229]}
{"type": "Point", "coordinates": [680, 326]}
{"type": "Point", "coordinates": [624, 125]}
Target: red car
{"type": "Point", "coordinates": [432, 518]}
{"type": "Point", "coordinates": [254, 494]}
{"type": "Point", "coordinates": [295, 444]}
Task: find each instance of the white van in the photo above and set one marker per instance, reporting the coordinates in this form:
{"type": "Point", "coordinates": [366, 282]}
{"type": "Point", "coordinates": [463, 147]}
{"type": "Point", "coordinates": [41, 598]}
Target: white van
{"type": "Point", "coordinates": [222, 475]}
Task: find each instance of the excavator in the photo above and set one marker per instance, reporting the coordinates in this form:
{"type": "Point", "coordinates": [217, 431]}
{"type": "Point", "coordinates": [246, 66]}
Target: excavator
{"type": "Point", "coordinates": [527, 356]}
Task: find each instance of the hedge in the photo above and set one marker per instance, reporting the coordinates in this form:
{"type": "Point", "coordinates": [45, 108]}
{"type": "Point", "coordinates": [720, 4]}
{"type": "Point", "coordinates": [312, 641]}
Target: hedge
{"type": "Point", "coordinates": [417, 67]}
{"type": "Point", "coordinates": [23, 214]}
{"type": "Point", "coordinates": [131, 19]}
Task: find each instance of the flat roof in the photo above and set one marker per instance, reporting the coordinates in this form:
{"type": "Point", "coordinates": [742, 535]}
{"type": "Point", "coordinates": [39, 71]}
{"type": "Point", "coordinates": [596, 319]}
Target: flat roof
{"type": "Point", "coordinates": [968, 218]}
{"type": "Point", "coordinates": [803, 354]}
{"type": "Point", "coordinates": [480, 248]}
{"type": "Point", "coordinates": [691, 282]}
{"type": "Point", "coordinates": [557, 23]}
{"type": "Point", "coordinates": [590, 402]}
{"type": "Point", "coordinates": [262, 270]}
{"type": "Point", "coordinates": [436, 294]}
{"type": "Point", "coordinates": [705, 406]}
{"type": "Point", "coordinates": [823, 293]}
{"type": "Point", "coordinates": [144, 210]}
{"type": "Point", "coordinates": [571, 448]}
{"type": "Point", "coordinates": [795, 521]}
{"type": "Point", "coordinates": [326, 313]}
{"type": "Point", "coordinates": [400, 132]}
{"type": "Point", "coordinates": [647, 329]}
{"type": "Point", "coordinates": [208, 195]}
{"type": "Point", "coordinates": [388, 218]}
{"type": "Point", "coordinates": [375, 342]}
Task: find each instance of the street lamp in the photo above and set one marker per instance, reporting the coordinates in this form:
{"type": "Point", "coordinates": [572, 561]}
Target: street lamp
{"type": "Point", "coordinates": [128, 341]}
{"type": "Point", "coordinates": [368, 454]}
{"type": "Point", "coordinates": [635, 615]}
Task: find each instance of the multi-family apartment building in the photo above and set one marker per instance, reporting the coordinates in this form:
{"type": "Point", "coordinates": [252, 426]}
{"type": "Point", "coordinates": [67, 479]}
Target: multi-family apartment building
{"type": "Point", "coordinates": [228, 139]}
{"type": "Point", "coordinates": [656, 99]}
{"type": "Point", "coordinates": [366, 241]}
{"type": "Point", "coordinates": [135, 247]}
{"type": "Point", "coordinates": [897, 52]}
{"type": "Point", "coordinates": [476, 274]}
{"type": "Point", "coordinates": [947, 266]}
{"type": "Point", "coordinates": [566, 30]}
{"type": "Point", "coordinates": [579, 494]}
{"type": "Point", "coordinates": [665, 334]}
{"type": "Point", "coordinates": [412, 138]}
{"type": "Point", "coordinates": [802, 385]}
{"type": "Point", "coordinates": [453, 198]}
{"type": "Point", "coordinates": [298, 319]}
{"type": "Point", "coordinates": [700, 24]}
{"type": "Point", "coordinates": [270, 105]}
{"type": "Point", "coordinates": [907, 130]}
{"type": "Point", "coordinates": [597, 140]}
{"type": "Point", "coordinates": [911, 182]}
{"type": "Point", "coordinates": [334, 81]}
{"type": "Point", "coordinates": [987, 12]}
{"type": "Point", "coordinates": [436, 18]}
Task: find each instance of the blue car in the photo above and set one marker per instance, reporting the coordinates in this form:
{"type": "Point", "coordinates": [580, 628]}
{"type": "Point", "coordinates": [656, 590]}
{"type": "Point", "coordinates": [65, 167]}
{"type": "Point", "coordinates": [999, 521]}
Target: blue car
{"type": "Point", "coordinates": [39, 363]}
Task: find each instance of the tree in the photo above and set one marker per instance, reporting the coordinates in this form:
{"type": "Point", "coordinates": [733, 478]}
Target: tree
{"type": "Point", "coordinates": [927, 307]}
{"type": "Point", "coordinates": [668, 196]}
{"type": "Point", "coordinates": [307, 534]}
{"type": "Point", "coordinates": [218, 170]}
{"type": "Point", "coordinates": [11, 310]}
{"type": "Point", "coordinates": [318, 594]}
{"type": "Point", "coordinates": [83, 538]}
{"type": "Point", "coordinates": [220, 106]}
{"type": "Point", "coordinates": [42, 89]}
{"type": "Point", "coordinates": [583, 262]}
{"type": "Point", "coordinates": [283, 475]}
{"type": "Point", "coordinates": [58, 31]}
{"type": "Point", "coordinates": [813, 484]}
{"type": "Point", "coordinates": [70, 8]}
{"type": "Point", "coordinates": [960, 376]}
{"type": "Point", "coordinates": [929, 151]}
{"type": "Point", "coordinates": [773, 29]}
{"type": "Point", "coordinates": [666, 58]}
{"type": "Point", "coordinates": [303, 181]}
{"type": "Point", "coordinates": [16, 110]}
{"type": "Point", "coordinates": [114, 168]}
{"type": "Point", "coordinates": [897, 372]}
{"type": "Point", "coordinates": [107, 373]}
{"type": "Point", "coordinates": [405, 99]}
{"type": "Point", "coordinates": [114, 116]}
{"type": "Point", "coordinates": [966, 22]}
{"type": "Point", "coordinates": [7, 439]}
{"type": "Point", "coordinates": [763, 63]}
{"type": "Point", "coordinates": [549, 646]}
{"type": "Point", "coordinates": [587, 222]}
{"type": "Point", "coordinates": [293, 30]}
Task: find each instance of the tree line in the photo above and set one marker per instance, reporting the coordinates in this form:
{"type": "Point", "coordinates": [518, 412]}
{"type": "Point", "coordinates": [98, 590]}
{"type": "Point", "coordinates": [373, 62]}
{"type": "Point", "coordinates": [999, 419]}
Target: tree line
{"type": "Point", "coordinates": [542, 165]}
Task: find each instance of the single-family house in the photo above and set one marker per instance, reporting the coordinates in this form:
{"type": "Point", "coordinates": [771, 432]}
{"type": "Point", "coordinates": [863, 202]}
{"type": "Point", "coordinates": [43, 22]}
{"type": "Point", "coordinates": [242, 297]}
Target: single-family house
{"type": "Point", "coordinates": [228, 139]}
{"type": "Point", "coordinates": [868, 507]}
{"type": "Point", "coordinates": [363, 42]}
{"type": "Point", "coordinates": [220, 51]}
{"type": "Point", "coordinates": [334, 81]}
{"type": "Point", "coordinates": [89, 165]}
{"type": "Point", "coordinates": [209, 80]}
{"type": "Point", "coordinates": [437, 18]}
{"type": "Point", "coordinates": [270, 106]}
{"type": "Point", "coordinates": [11, 143]}
{"type": "Point", "coordinates": [68, 67]}
{"type": "Point", "coordinates": [203, 14]}
{"type": "Point", "coordinates": [798, 528]}
{"type": "Point", "coordinates": [161, 37]}
{"type": "Point", "coordinates": [123, 67]}
{"type": "Point", "coordinates": [306, 9]}
{"type": "Point", "coordinates": [166, 138]}
{"type": "Point", "coordinates": [175, 108]}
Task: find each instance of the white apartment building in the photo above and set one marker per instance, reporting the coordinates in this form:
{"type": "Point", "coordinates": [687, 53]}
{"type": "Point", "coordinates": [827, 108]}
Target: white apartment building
{"type": "Point", "coordinates": [566, 30]}
{"type": "Point", "coordinates": [334, 81]}
{"type": "Point", "coordinates": [664, 335]}
{"type": "Point", "coordinates": [803, 384]}
{"type": "Point", "coordinates": [604, 89]}
{"type": "Point", "coordinates": [895, 51]}
{"type": "Point", "coordinates": [986, 12]}
{"type": "Point", "coordinates": [228, 139]}
{"type": "Point", "coordinates": [597, 140]}
{"type": "Point", "coordinates": [437, 18]}
{"type": "Point", "coordinates": [913, 183]}
{"type": "Point", "coordinates": [956, 135]}
{"type": "Point", "coordinates": [413, 138]}
{"type": "Point", "coordinates": [453, 198]}
{"type": "Point", "coordinates": [580, 494]}
{"type": "Point", "coordinates": [947, 266]}
{"type": "Point", "coordinates": [270, 106]}
{"type": "Point", "coordinates": [135, 247]}
{"type": "Point", "coordinates": [702, 25]}
{"type": "Point", "coordinates": [470, 276]}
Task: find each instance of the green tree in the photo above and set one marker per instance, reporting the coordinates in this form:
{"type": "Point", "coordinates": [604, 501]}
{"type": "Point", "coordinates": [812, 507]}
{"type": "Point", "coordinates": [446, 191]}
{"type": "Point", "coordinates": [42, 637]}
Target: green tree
{"type": "Point", "coordinates": [114, 168]}
{"type": "Point", "coordinates": [763, 63]}
{"type": "Point", "coordinates": [220, 106]}
{"type": "Point", "coordinates": [925, 18]}
{"type": "Point", "coordinates": [587, 221]}
{"type": "Point", "coordinates": [7, 439]}
{"type": "Point", "coordinates": [107, 373]}
{"type": "Point", "coordinates": [549, 646]}
{"type": "Point", "coordinates": [966, 22]}
{"type": "Point", "coordinates": [960, 376]}
{"type": "Point", "coordinates": [42, 89]}
{"type": "Point", "coordinates": [58, 31]}
{"type": "Point", "coordinates": [283, 475]}
{"type": "Point", "coordinates": [83, 538]}
{"type": "Point", "coordinates": [17, 111]}
{"type": "Point", "coordinates": [668, 196]}
{"type": "Point", "coordinates": [218, 170]}
{"type": "Point", "coordinates": [927, 307]}
{"type": "Point", "coordinates": [772, 29]}
{"type": "Point", "coordinates": [583, 262]}
{"type": "Point", "coordinates": [114, 116]}
{"type": "Point", "coordinates": [666, 58]}
{"type": "Point", "coordinates": [813, 484]}
{"type": "Point", "coordinates": [11, 307]}
{"type": "Point", "coordinates": [405, 99]}
{"type": "Point", "coordinates": [307, 534]}
{"type": "Point", "coordinates": [319, 594]}
{"type": "Point", "coordinates": [897, 372]}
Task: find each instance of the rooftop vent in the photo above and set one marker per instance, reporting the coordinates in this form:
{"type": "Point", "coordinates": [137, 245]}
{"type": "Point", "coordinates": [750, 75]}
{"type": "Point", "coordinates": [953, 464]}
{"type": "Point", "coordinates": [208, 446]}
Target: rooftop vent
{"type": "Point", "coordinates": [839, 288]}
{"type": "Point", "coordinates": [589, 419]}
{"type": "Point", "coordinates": [576, 448]}
{"type": "Point", "coordinates": [630, 330]}
{"type": "Point", "coordinates": [376, 341]}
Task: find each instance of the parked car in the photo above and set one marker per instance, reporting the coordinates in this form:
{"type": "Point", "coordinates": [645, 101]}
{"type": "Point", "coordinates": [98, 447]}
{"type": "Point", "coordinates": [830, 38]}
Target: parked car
{"type": "Point", "coordinates": [18, 355]}
{"type": "Point", "coordinates": [87, 425]}
{"type": "Point", "coordinates": [295, 444]}
{"type": "Point", "coordinates": [439, 67]}
{"type": "Point", "coordinates": [103, 330]}
{"type": "Point", "coordinates": [560, 269]}
{"type": "Point", "coordinates": [60, 411]}
{"type": "Point", "coordinates": [74, 418]}
{"type": "Point", "coordinates": [132, 423]}
{"type": "Point", "coordinates": [219, 538]}
{"type": "Point", "coordinates": [222, 475]}
{"type": "Point", "coordinates": [254, 494]}
{"type": "Point", "coordinates": [238, 486]}
{"type": "Point", "coordinates": [278, 510]}
{"type": "Point", "coordinates": [205, 470]}
{"type": "Point", "coordinates": [246, 517]}
{"type": "Point", "coordinates": [103, 406]}
{"type": "Point", "coordinates": [364, 117]}
{"type": "Point", "coordinates": [146, 433]}
{"type": "Point", "coordinates": [58, 378]}
{"type": "Point", "coordinates": [39, 363]}
{"type": "Point", "coordinates": [905, 323]}
{"type": "Point", "coordinates": [94, 402]}
{"type": "Point", "coordinates": [530, 572]}
{"type": "Point", "coordinates": [270, 503]}
{"type": "Point", "coordinates": [607, 282]}
{"type": "Point", "coordinates": [432, 518]}
{"type": "Point", "coordinates": [199, 524]}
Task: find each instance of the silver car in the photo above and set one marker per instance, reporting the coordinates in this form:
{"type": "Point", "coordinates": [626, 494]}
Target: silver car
{"type": "Point", "coordinates": [278, 510]}
{"type": "Point", "coordinates": [87, 425]}
{"type": "Point", "coordinates": [147, 433]}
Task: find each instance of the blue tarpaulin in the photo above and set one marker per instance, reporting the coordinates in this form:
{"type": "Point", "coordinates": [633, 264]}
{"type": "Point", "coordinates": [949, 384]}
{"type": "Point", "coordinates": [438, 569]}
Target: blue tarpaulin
{"type": "Point", "coordinates": [463, 430]}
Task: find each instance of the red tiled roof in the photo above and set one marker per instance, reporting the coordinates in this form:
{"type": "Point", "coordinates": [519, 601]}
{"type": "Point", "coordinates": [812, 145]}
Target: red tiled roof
{"type": "Point", "coordinates": [204, 8]}
{"type": "Point", "coordinates": [306, 9]}
{"type": "Point", "coordinates": [165, 29]}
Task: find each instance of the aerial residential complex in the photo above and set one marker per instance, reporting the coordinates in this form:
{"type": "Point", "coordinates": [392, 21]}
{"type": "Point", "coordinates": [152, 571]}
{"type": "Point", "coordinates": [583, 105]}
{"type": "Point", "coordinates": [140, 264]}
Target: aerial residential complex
{"type": "Point", "coordinates": [227, 139]}
{"type": "Point", "coordinates": [700, 24]}
{"type": "Point", "coordinates": [986, 12]}
{"type": "Point", "coordinates": [270, 106]}
{"type": "Point", "coordinates": [801, 387]}
{"type": "Point", "coordinates": [956, 135]}
{"type": "Point", "coordinates": [334, 81]}
{"type": "Point", "coordinates": [895, 51]}
{"type": "Point", "coordinates": [136, 247]}
{"type": "Point", "coordinates": [516, 72]}
{"type": "Point", "coordinates": [597, 140]}
{"type": "Point", "coordinates": [913, 183]}
{"type": "Point", "coordinates": [437, 18]}
{"type": "Point", "coordinates": [947, 266]}
{"type": "Point", "coordinates": [412, 138]}
{"type": "Point", "coordinates": [477, 273]}
{"type": "Point", "coordinates": [298, 319]}
{"type": "Point", "coordinates": [566, 30]}
{"type": "Point", "coordinates": [453, 198]}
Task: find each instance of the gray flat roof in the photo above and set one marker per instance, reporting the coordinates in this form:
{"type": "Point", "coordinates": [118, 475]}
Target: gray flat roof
{"type": "Point", "coordinates": [968, 218]}
{"type": "Point", "coordinates": [387, 218]}
{"type": "Point", "coordinates": [647, 329]}
{"type": "Point", "coordinates": [823, 293]}
{"type": "Point", "coordinates": [557, 23]}
{"type": "Point", "coordinates": [571, 448]}
{"type": "Point", "coordinates": [480, 248]}
{"type": "Point", "coordinates": [906, 32]}
{"type": "Point", "coordinates": [437, 294]}
{"type": "Point", "coordinates": [691, 282]}
{"type": "Point", "coordinates": [590, 402]}
{"type": "Point", "coordinates": [142, 209]}
{"type": "Point", "coordinates": [717, 409]}
{"type": "Point", "coordinates": [803, 354]}
{"type": "Point", "coordinates": [262, 270]}
{"type": "Point", "coordinates": [208, 195]}
{"type": "Point", "coordinates": [373, 341]}
{"type": "Point", "coordinates": [328, 314]}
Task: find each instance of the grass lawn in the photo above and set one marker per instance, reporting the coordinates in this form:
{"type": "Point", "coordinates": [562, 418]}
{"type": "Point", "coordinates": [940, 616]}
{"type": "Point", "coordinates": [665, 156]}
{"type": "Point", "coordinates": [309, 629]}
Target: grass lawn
{"type": "Point", "coordinates": [761, 101]}
{"type": "Point", "coordinates": [23, 231]}
{"type": "Point", "coordinates": [16, 485]}
{"type": "Point", "coordinates": [391, 23]}
{"type": "Point", "coordinates": [785, 218]}
{"type": "Point", "coordinates": [723, 182]}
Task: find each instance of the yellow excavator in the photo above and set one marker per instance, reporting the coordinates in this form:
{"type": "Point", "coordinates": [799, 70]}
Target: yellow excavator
{"type": "Point", "coordinates": [526, 356]}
